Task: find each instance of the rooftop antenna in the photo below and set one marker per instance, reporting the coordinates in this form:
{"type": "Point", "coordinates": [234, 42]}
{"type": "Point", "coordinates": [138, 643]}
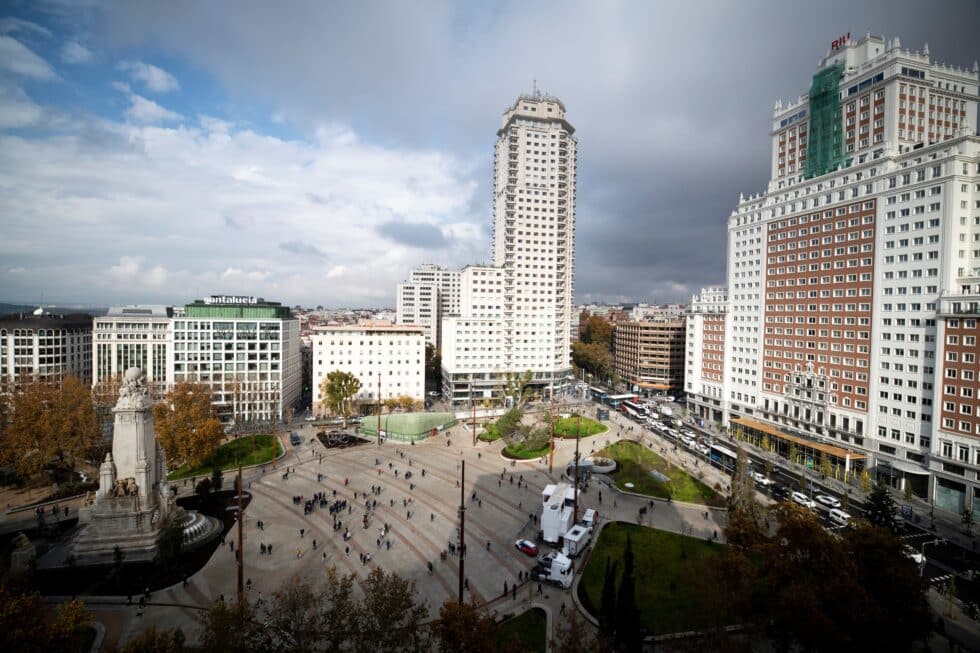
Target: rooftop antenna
{"type": "Point", "coordinates": [534, 86]}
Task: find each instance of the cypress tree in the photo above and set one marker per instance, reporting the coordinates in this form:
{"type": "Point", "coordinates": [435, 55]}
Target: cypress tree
{"type": "Point", "coordinates": [627, 616]}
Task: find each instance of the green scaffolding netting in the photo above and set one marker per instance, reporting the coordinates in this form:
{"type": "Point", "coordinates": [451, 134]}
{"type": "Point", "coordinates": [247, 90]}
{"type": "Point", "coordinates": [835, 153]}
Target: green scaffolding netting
{"type": "Point", "coordinates": [825, 144]}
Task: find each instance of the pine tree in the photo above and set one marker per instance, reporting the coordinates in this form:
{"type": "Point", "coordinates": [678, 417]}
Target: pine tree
{"type": "Point", "coordinates": [880, 508]}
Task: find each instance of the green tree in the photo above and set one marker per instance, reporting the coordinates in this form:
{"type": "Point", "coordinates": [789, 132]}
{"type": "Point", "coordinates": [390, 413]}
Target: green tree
{"type": "Point", "coordinates": [187, 424]}
{"type": "Point", "coordinates": [170, 543]}
{"type": "Point", "coordinates": [595, 359]}
{"type": "Point", "coordinates": [627, 616]}
{"type": "Point", "coordinates": [792, 452]}
{"type": "Point", "coordinates": [510, 422]}
{"type": "Point", "coordinates": [152, 640]}
{"type": "Point", "coordinates": [433, 367]}
{"type": "Point", "coordinates": [607, 600]}
{"type": "Point", "coordinates": [745, 514]}
{"type": "Point", "coordinates": [825, 467]}
{"type": "Point", "coordinates": [967, 519]}
{"type": "Point", "coordinates": [518, 388]}
{"type": "Point", "coordinates": [25, 624]}
{"type": "Point", "coordinates": [337, 390]}
{"type": "Point", "coordinates": [574, 635]}
{"type": "Point", "coordinates": [231, 626]}
{"type": "Point", "coordinates": [865, 481]}
{"type": "Point", "coordinates": [879, 509]}
{"type": "Point", "coordinates": [802, 480]}
{"type": "Point", "coordinates": [217, 479]}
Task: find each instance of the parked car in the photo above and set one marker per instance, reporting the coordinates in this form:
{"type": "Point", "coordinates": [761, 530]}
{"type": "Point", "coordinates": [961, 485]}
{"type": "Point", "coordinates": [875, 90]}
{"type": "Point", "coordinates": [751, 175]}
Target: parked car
{"type": "Point", "coordinates": [310, 418]}
{"type": "Point", "coordinates": [526, 547]}
{"type": "Point", "coordinates": [803, 500]}
{"type": "Point", "coordinates": [827, 500]}
{"type": "Point", "coordinates": [760, 478]}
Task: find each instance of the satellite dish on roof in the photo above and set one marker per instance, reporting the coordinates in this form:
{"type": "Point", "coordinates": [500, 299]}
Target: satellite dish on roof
{"type": "Point", "coordinates": [39, 310]}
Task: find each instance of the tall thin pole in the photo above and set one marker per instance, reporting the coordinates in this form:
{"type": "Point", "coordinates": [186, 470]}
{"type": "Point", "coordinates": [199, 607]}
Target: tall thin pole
{"type": "Point", "coordinates": [379, 409]}
{"type": "Point", "coordinates": [551, 443]}
{"type": "Point", "coordinates": [462, 526]}
{"type": "Point", "coordinates": [241, 549]}
{"type": "Point", "coordinates": [578, 436]}
{"type": "Point", "coordinates": [473, 409]}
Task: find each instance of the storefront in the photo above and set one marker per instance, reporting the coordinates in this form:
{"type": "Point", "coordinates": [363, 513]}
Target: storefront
{"type": "Point", "coordinates": [828, 459]}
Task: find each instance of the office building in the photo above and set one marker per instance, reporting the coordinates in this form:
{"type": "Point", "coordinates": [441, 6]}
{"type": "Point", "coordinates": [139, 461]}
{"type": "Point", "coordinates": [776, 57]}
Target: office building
{"type": "Point", "coordinates": [648, 356]}
{"type": "Point", "coordinates": [41, 344]}
{"type": "Point", "coordinates": [853, 280]}
{"type": "Point", "coordinates": [134, 336]}
{"type": "Point", "coordinates": [534, 247]}
{"type": "Point", "coordinates": [704, 377]}
{"type": "Point", "coordinates": [247, 349]}
{"type": "Point", "coordinates": [430, 294]}
{"type": "Point", "coordinates": [392, 354]}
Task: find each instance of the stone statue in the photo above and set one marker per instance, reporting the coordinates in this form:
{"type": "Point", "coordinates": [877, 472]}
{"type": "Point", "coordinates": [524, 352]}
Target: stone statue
{"type": "Point", "coordinates": [133, 392]}
{"type": "Point", "coordinates": [125, 487]}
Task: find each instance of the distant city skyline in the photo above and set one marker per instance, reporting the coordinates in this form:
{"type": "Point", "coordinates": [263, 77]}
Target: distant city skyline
{"type": "Point", "coordinates": [154, 154]}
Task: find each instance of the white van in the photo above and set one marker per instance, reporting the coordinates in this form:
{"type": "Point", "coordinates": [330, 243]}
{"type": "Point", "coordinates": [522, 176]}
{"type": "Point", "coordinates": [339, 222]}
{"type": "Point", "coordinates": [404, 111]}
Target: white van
{"type": "Point", "coordinates": [839, 517]}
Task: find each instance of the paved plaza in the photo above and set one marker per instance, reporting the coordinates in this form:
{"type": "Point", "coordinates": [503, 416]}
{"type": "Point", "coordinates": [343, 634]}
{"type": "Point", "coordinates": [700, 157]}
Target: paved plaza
{"type": "Point", "coordinates": [421, 513]}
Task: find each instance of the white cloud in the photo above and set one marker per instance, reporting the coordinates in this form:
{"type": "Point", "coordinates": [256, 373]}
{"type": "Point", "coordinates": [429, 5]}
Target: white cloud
{"type": "Point", "coordinates": [17, 109]}
{"type": "Point", "coordinates": [75, 53]}
{"type": "Point", "coordinates": [148, 112]}
{"type": "Point", "coordinates": [10, 25]}
{"type": "Point", "coordinates": [152, 77]}
{"type": "Point", "coordinates": [147, 212]}
{"type": "Point", "coordinates": [21, 60]}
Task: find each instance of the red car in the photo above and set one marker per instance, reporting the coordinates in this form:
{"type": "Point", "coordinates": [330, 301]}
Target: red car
{"type": "Point", "coordinates": [526, 547]}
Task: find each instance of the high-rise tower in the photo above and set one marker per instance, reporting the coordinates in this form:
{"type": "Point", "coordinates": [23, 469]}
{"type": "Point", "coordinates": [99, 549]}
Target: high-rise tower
{"type": "Point", "coordinates": [524, 322]}
{"type": "Point", "coordinates": [534, 234]}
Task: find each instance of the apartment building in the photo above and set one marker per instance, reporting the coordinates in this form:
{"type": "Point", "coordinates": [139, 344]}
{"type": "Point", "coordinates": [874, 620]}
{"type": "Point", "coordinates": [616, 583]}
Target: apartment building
{"type": "Point", "coordinates": [704, 378]}
{"type": "Point", "coordinates": [845, 275]}
{"type": "Point", "coordinates": [534, 247]}
{"type": "Point", "coordinates": [430, 294]}
{"type": "Point", "coordinates": [376, 352]}
{"type": "Point", "coordinates": [649, 355]}
{"type": "Point", "coordinates": [41, 344]}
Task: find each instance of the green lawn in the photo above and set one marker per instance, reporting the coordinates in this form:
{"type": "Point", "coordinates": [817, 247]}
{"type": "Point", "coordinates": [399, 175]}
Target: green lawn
{"type": "Point", "coordinates": [529, 629]}
{"type": "Point", "coordinates": [673, 584]}
{"type": "Point", "coordinates": [522, 452]}
{"type": "Point", "coordinates": [569, 427]}
{"type": "Point", "coordinates": [636, 462]}
{"type": "Point", "coordinates": [252, 450]}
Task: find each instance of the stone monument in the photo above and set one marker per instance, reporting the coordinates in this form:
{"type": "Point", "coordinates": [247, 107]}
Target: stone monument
{"type": "Point", "coordinates": [134, 500]}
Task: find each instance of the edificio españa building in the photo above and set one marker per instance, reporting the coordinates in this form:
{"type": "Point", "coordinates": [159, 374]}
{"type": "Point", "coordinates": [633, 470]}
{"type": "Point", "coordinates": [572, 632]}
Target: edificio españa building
{"type": "Point", "coordinates": [524, 323]}
{"type": "Point", "coordinates": [851, 319]}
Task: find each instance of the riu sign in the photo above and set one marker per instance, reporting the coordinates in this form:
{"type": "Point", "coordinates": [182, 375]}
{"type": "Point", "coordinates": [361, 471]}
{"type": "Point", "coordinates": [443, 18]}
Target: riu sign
{"type": "Point", "coordinates": [839, 42]}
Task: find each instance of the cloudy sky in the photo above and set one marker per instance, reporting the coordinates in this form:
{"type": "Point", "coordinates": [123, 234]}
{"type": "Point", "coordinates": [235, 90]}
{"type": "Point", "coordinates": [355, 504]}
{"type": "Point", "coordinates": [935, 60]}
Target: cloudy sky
{"type": "Point", "coordinates": [313, 153]}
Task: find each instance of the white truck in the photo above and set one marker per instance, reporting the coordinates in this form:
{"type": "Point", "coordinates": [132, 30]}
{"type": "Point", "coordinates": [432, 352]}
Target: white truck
{"type": "Point", "coordinates": [666, 411]}
{"type": "Point", "coordinates": [576, 540]}
{"type": "Point", "coordinates": [556, 511]}
{"type": "Point", "coordinates": [554, 568]}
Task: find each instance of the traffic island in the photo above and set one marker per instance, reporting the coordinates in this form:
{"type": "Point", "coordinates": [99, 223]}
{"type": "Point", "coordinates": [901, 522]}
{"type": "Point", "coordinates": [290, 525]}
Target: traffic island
{"type": "Point", "coordinates": [641, 471]}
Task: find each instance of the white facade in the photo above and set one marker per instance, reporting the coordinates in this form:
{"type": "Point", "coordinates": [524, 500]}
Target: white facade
{"type": "Point", "coordinates": [533, 245]}
{"type": "Point", "coordinates": [134, 336]}
{"type": "Point", "coordinates": [704, 360]}
{"type": "Point", "coordinates": [45, 345]}
{"type": "Point", "coordinates": [431, 294]}
{"type": "Point", "coordinates": [843, 282]}
{"type": "Point", "coordinates": [369, 350]}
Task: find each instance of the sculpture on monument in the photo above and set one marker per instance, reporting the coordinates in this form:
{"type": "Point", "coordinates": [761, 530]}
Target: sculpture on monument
{"type": "Point", "coordinates": [134, 500]}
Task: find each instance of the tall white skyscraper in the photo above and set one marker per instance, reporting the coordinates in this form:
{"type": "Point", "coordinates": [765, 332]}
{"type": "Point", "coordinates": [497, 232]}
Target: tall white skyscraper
{"type": "Point", "coordinates": [430, 294]}
{"type": "Point", "coordinates": [534, 247]}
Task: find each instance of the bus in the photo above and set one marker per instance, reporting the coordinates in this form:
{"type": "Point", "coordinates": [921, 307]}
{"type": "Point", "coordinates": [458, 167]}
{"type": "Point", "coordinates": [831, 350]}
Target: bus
{"type": "Point", "coordinates": [636, 408]}
{"type": "Point", "coordinates": [723, 457]}
{"type": "Point", "coordinates": [616, 400]}
{"type": "Point", "coordinates": [598, 394]}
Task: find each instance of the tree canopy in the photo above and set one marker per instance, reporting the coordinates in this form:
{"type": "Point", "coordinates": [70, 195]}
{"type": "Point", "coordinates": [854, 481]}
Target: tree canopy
{"type": "Point", "coordinates": [187, 424]}
{"type": "Point", "coordinates": [46, 420]}
{"type": "Point", "coordinates": [337, 390]}
{"type": "Point", "coordinates": [597, 331]}
{"type": "Point", "coordinates": [879, 509]}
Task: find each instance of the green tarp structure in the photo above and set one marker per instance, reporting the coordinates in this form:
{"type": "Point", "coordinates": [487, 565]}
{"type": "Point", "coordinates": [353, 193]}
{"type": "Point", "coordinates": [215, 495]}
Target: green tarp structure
{"type": "Point", "coordinates": [406, 427]}
{"type": "Point", "coordinates": [825, 143]}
